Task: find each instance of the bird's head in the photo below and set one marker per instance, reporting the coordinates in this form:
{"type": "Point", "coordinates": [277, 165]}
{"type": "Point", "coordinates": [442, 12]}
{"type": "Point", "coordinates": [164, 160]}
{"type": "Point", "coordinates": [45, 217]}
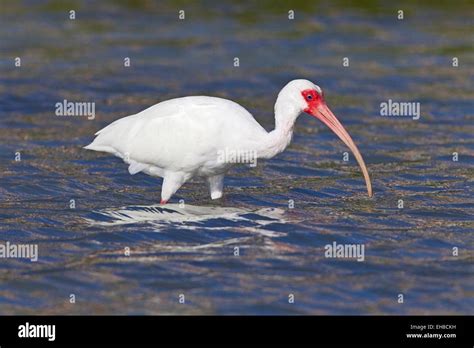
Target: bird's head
{"type": "Point", "coordinates": [305, 96]}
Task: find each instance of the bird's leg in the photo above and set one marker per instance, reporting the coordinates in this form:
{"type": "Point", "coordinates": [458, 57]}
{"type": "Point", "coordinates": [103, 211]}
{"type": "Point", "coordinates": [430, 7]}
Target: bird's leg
{"type": "Point", "coordinates": [216, 185]}
{"type": "Point", "coordinates": [171, 183]}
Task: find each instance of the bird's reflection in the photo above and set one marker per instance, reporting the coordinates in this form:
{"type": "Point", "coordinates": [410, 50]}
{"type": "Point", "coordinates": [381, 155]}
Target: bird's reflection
{"type": "Point", "coordinates": [191, 217]}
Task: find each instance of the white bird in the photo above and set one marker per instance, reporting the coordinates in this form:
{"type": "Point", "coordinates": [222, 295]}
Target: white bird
{"type": "Point", "coordinates": [180, 138]}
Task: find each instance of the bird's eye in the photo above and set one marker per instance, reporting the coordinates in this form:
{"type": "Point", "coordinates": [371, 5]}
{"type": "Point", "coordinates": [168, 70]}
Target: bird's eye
{"type": "Point", "coordinates": [309, 97]}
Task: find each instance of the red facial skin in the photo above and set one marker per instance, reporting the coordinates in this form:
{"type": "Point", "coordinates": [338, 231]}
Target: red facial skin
{"type": "Point", "coordinates": [313, 99]}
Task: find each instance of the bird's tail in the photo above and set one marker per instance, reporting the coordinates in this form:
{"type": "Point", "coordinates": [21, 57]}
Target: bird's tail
{"type": "Point", "coordinates": [102, 148]}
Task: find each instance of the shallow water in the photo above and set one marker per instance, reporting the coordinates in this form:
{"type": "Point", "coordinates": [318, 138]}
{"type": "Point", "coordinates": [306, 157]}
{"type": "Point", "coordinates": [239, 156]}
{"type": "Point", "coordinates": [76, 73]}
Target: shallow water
{"type": "Point", "coordinates": [190, 249]}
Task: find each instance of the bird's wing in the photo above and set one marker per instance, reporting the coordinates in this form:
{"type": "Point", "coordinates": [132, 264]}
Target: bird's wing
{"type": "Point", "coordinates": [179, 133]}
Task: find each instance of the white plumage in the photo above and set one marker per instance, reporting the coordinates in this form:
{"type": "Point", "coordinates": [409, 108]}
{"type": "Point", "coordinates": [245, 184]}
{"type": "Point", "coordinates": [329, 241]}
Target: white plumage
{"type": "Point", "coordinates": [185, 137]}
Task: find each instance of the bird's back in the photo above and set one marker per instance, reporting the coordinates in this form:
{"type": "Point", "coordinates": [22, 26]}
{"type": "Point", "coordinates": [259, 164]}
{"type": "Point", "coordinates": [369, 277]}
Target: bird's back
{"type": "Point", "coordinates": [180, 134]}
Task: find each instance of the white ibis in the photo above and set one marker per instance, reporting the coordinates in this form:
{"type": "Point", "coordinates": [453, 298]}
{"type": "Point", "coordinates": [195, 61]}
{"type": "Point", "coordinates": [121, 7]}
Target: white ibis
{"type": "Point", "coordinates": [181, 138]}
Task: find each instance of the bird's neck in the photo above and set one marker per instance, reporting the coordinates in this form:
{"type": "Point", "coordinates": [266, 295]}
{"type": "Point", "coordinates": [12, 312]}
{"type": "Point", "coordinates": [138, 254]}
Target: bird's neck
{"type": "Point", "coordinates": [278, 139]}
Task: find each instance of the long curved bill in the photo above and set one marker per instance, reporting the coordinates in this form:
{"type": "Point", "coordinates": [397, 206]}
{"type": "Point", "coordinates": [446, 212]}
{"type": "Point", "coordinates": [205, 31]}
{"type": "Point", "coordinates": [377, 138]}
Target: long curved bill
{"type": "Point", "coordinates": [323, 113]}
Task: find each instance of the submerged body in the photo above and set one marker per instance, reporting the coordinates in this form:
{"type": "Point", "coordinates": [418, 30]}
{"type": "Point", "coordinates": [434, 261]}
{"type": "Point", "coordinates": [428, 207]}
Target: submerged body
{"type": "Point", "coordinates": [196, 136]}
